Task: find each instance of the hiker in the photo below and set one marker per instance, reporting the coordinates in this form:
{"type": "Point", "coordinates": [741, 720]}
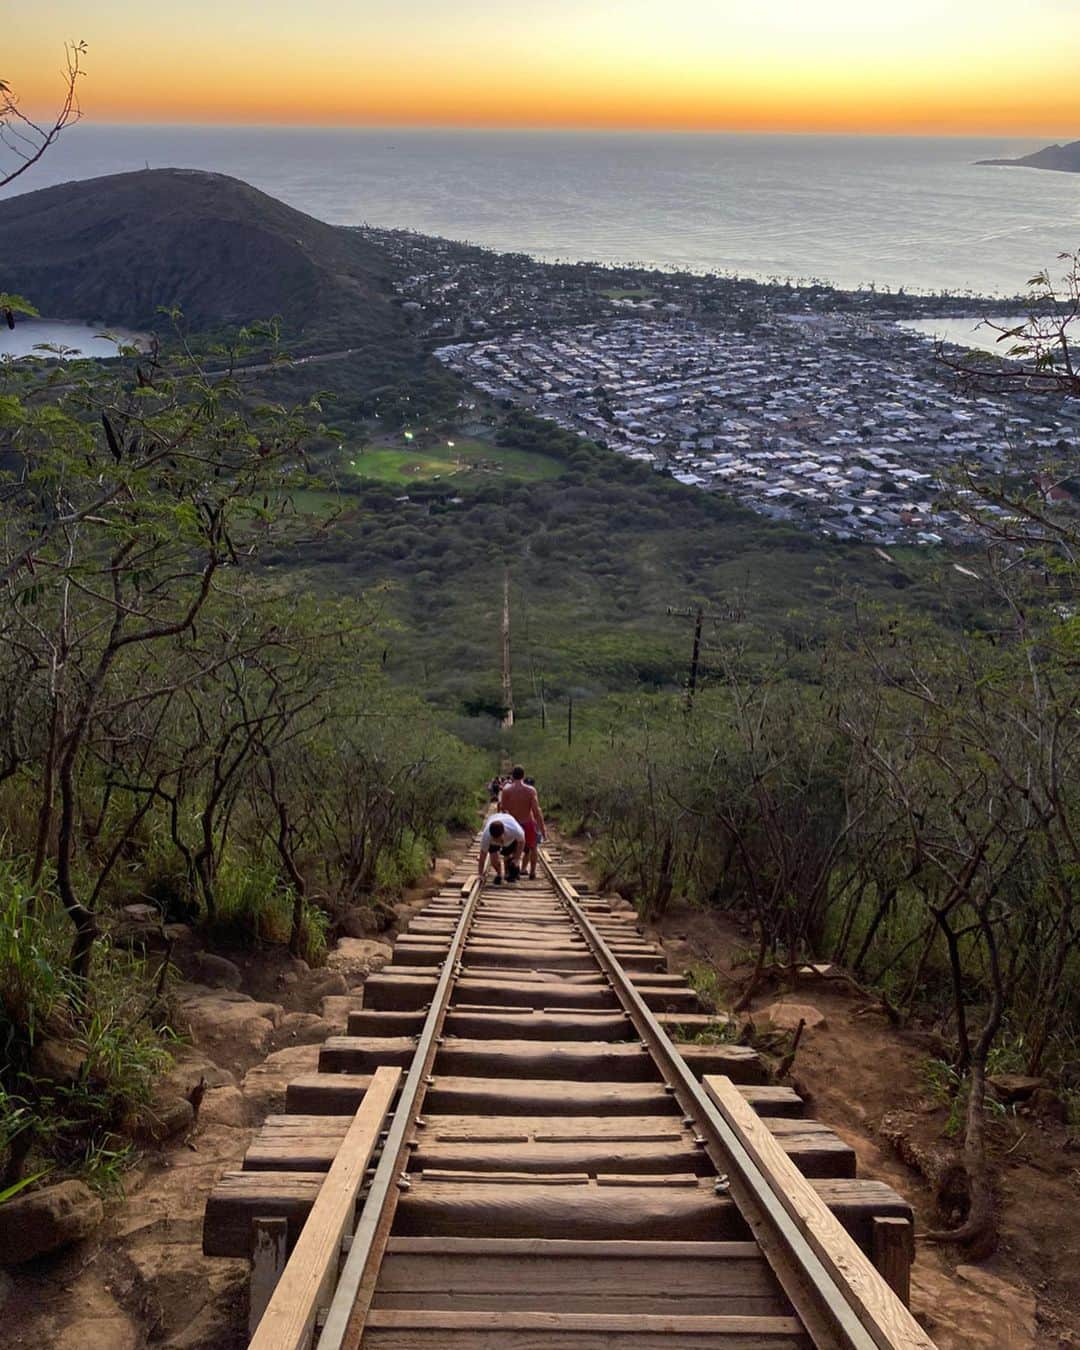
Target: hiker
{"type": "Point", "coordinates": [519, 798]}
{"type": "Point", "coordinates": [502, 843]}
{"type": "Point", "coordinates": [494, 788]}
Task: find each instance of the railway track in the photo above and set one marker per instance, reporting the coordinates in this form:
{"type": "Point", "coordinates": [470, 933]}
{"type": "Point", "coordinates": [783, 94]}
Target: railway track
{"type": "Point", "coordinates": [533, 1136]}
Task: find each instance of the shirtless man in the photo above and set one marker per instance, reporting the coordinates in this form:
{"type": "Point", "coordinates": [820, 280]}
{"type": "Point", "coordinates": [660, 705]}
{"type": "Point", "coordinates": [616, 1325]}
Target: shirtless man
{"type": "Point", "coordinates": [502, 843]}
{"type": "Point", "coordinates": [519, 800]}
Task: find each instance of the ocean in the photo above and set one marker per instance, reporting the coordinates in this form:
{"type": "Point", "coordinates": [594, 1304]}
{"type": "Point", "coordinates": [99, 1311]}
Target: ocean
{"type": "Point", "coordinates": [853, 211]}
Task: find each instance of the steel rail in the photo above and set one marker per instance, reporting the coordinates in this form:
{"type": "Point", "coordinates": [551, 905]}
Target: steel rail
{"type": "Point", "coordinates": [344, 1325]}
{"type": "Point", "coordinates": [818, 1298]}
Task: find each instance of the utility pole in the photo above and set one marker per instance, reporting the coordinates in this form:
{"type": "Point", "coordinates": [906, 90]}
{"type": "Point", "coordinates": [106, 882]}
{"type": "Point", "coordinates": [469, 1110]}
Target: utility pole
{"type": "Point", "coordinates": [543, 706]}
{"type": "Point", "coordinates": [507, 683]}
{"type": "Point", "coordinates": [698, 614]}
{"type": "Point", "coordinates": [695, 658]}
{"type": "Point", "coordinates": [570, 720]}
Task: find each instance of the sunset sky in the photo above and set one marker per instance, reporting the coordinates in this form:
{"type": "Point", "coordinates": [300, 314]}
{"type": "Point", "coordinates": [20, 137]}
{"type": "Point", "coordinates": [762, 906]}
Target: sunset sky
{"type": "Point", "coordinates": [922, 66]}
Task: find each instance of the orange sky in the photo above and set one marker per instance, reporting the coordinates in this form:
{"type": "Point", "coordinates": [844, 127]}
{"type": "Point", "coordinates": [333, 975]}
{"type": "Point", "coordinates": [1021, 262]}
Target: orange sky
{"type": "Point", "coordinates": [927, 66]}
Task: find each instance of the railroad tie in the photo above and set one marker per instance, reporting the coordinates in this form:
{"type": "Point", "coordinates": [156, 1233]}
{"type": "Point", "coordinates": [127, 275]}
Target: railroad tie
{"type": "Point", "coordinates": [561, 1148]}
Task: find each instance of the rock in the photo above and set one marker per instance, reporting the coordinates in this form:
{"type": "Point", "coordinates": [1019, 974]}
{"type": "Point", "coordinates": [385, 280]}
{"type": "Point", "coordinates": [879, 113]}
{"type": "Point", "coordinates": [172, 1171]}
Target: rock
{"type": "Point", "coordinates": [1014, 1087]}
{"type": "Point", "coordinates": [57, 1061]}
{"type": "Point", "coordinates": [787, 1016]}
{"type": "Point", "coordinates": [355, 958]}
{"type": "Point", "coordinates": [160, 1120]}
{"type": "Point", "coordinates": [443, 869]}
{"type": "Point", "coordinates": [302, 1029]}
{"type": "Point", "coordinates": [138, 932]}
{"type": "Point", "coordinates": [326, 984]}
{"type": "Point", "coordinates": [264, 1084]}
{"type": "Point", "coordinates": [1017, 1305]}
{"type": "Point", "coordinates": [335, 1011]}
{"type": "Point", "coordinates": [191, 1067]}
{"type": "Point", "coordinates": [229, 1023]}
{"type": "Point", "coordinates": [357, 923]}
{"type": "Point", "coordinates": [972, 1310]}
{"type": "Point", "coordinates": [214, 971]}
{"type": "Point", "coordinates": [39, 1222]}
{"type": "Point", "coordinates": [224, 1106]}
{"type": "Point", "coordinates": [142, 913]}
{"type": "Point", "coordinates": [221, 1320]}
{"type": "Point", "coordinates": [1046, 1104]}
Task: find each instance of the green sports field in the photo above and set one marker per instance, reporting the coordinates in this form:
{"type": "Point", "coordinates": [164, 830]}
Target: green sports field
{"type": "Point", "coordinates": [466, 460]}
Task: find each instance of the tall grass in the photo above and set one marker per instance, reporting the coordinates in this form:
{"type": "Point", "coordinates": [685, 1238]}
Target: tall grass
{"type": "Point", "coordinates": [112, 1040]}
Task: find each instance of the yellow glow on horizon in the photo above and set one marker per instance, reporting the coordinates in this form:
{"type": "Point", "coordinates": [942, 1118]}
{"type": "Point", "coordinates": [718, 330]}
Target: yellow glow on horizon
{"type": "Point", "coordinates": [972, 66]}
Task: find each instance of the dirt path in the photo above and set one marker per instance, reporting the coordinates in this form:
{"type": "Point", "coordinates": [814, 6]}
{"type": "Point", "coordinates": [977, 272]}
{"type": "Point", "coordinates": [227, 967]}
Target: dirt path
{"type": "Point", "coordinates": [867, 1081]}
{"type": "Point", "coordinates": [256, 1021]}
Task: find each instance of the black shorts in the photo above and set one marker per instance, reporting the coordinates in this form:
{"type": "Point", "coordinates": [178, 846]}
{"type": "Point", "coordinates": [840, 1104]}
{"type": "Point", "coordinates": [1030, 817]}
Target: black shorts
{"type": "Point", "coordinates": [507, 850]}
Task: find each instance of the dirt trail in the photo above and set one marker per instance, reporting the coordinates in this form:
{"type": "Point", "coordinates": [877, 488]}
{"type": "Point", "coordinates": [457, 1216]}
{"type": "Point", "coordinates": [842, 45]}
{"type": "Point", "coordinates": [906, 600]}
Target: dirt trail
{"type": "Point", "coordinates": [866, 1080]}
{"type": "Point", "coordinates": [256, 1020]}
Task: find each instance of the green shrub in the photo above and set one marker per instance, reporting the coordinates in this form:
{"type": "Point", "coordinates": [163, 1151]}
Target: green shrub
{"type": "Point", "coordinates": [110, 1032]}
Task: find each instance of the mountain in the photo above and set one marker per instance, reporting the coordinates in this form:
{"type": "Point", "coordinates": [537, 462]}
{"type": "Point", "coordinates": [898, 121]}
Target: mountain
{"type": "Point", "coordinates": [1065, 158]}
{"type": "Point", "coordinates": [114, 249]}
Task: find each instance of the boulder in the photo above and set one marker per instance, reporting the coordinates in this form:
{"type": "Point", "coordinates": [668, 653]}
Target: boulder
{"type": "Point", "coordinates": [264, 1084]}
{"type": "Point", "coordinates": [142, 913]}
{"type": "Point", "coordinates": [1047, 1105]}
{"type": "Point", "coordinates": [228, 1023]}
{"type": "Point", "coordinates": [972, 1310]}
{"type": "Point", "coordinates": [1017, 1306]}
{"type": "Point", "coordinates": [358, 923]}
{"type": "Point", "coordinates": [787, 1016]}
{"type": "Point", "coordinates": [39, 1222]}
{"type": "Point", "coordinates": [160, 1120]}
{"type": "Point", "coordinates": [356, 958]}
{"type": "Point", "coordinates": [1014, 1087]}
{"type": "Point", "coordinates": [335, 1010]}
{"type": "Point", "coordinates": [57, 1061]}
{"type": "Point", "coordinates": [224, 1106]}
{"type": "Point", "coordinates": [325, 984]}
{"type": "Point", "coordinates": [214, 971]}
{"type": "Point", "coordinates": [299, 1028]}
{"type": "Point", "coordinates": [190, 1068]}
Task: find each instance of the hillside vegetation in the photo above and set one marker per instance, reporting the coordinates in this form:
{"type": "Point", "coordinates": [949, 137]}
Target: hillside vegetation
{"type": "Point", "coordinates": [118, 249]}
{"type": "Point", "coordinates": [250, 684]}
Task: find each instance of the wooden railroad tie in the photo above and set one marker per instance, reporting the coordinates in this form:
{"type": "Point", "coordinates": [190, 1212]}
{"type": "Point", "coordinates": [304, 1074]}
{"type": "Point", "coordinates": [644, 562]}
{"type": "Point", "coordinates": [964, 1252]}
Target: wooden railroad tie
{"type": "Point", "coordinates": [527, 1138]}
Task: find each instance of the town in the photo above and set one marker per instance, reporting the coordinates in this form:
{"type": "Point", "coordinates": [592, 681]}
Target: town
{"type": "Point", "coordinates": [830, 423]}
{"type": "Point", "coordinates": [805, 403]}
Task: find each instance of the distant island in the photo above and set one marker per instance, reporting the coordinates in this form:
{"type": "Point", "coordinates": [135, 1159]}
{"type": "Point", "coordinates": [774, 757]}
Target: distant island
{"type": "Point", "coordinates": [1064, 158]}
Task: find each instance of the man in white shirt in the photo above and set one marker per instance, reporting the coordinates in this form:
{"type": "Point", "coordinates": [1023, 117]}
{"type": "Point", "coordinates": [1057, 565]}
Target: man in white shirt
{"type": "Point", "coordinates": [502, 842]}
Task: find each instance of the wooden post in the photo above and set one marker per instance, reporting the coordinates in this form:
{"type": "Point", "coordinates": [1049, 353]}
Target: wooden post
{"type": "Point", "coordinates": [695, 661]}
{"type": "Point", "coordinates": [570, 720]}
{"type": "Point", "coordinates": [507, 680]}
{"type": "Point", "coordinates": [891, 1251]}
{"type": "Point", "coordinates": [543, 706]}
{"type": "Point", "coordinates": [269, 1242]}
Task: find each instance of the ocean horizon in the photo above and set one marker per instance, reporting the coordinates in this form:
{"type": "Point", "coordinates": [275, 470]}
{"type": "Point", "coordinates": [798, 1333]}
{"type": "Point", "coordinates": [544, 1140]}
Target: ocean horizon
{"type": "Point", "coordinates": [895, 212]}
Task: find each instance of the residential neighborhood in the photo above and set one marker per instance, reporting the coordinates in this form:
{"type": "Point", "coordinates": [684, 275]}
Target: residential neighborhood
{"type": "Point", "coordinates": [838, 424]}
{"type": "Point", "coordinates": [806, 403]}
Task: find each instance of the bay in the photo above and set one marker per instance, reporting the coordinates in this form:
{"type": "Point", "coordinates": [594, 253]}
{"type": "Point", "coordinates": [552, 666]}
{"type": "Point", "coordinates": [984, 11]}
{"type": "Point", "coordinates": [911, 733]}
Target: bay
{"type": "Point", "coordinates": [75, 338]}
